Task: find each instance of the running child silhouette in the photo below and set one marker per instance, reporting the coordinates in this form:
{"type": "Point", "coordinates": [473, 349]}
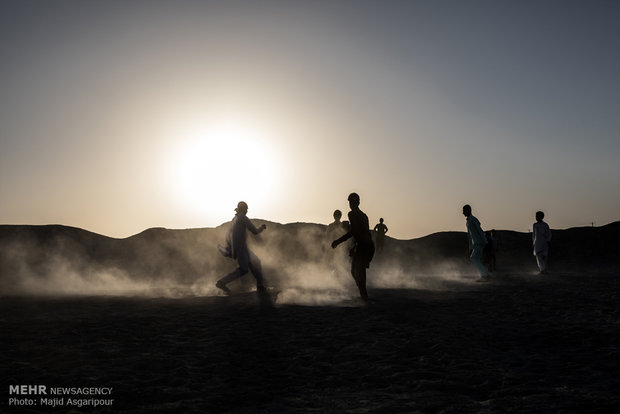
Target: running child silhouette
{"type": "Point", "coordinates": [237, 248]}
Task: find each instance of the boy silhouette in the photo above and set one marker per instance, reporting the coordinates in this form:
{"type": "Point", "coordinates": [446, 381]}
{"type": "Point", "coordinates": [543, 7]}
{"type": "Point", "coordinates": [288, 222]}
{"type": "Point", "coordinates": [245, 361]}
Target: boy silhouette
{"type": "Point", "coordinates": [541, 238]}
{"type": "Point", "coordinates": [380, 230]}
{"type": "Point", "coordinates": [477, 240]}
{"type": "Point", "coordinates": [364, 248]}
{"type": "Point", "coordinates": [238, 249]}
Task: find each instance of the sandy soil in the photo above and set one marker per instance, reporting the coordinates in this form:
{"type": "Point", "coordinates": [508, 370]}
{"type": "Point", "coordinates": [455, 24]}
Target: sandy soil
{"type": "Point", "coordinates": [522, 343]}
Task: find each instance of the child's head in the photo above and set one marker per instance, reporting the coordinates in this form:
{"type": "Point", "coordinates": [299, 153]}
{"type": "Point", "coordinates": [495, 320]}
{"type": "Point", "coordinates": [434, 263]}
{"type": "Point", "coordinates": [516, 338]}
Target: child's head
{"type": "Point", "coordinates": [467, 210]}
{"type": "Point", "coordinates": [354, 200]}
{"type": "Point", "coordinates": [540, 215]}
{"type": "Point", "coordinates": [242, 207]}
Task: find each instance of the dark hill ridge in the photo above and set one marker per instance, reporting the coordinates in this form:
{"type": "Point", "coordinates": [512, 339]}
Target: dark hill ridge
{"type": "Point", "coordinates": [31, 255]}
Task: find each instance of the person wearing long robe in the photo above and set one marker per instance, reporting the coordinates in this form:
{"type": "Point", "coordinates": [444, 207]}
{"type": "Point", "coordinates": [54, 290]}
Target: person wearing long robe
{"type": "Point", "coordinates": [477, 240]}
{"type": "Point", "coordinates": [541, 238]}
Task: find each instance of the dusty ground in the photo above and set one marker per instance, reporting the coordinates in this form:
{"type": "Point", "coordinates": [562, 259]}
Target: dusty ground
{"type": "Point", "coordinates": [522, 343]}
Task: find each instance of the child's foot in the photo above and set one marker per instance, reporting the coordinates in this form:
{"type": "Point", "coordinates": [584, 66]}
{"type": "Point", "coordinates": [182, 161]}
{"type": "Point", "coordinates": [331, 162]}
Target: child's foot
{"type": "Point", "coordinates": [222, 286]}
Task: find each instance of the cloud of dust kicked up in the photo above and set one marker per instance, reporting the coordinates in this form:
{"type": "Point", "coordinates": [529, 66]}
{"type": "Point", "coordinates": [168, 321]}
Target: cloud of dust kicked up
{"type": "Point", "coordinates": [297, 259]}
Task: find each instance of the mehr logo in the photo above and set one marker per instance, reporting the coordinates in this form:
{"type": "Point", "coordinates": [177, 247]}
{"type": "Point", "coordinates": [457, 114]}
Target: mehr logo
{"type": "Point", "coordinates": [28, 389]}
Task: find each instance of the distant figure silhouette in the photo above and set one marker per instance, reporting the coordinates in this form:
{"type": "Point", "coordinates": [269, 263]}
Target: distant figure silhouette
{"type": "Point", "coordinates": [364, 248]}
{"type": "Point", "coordinates": [380, 230]}
{"type": "Point", "coordinates": [490, 250]}
{"type": "Point", "coordinates": [334, 230]}
{"type": "Point", "coordinates": [477, 241]}
{"type": "Point", "coordinates": [541, 239]}
{"type": "Point", "coordinates": [336, 226]}
{"type": "Point", "coordinates": [237, 248]}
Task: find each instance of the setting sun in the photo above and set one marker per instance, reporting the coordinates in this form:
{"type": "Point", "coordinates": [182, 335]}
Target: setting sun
{"type": "Point", "coordinates": [220, 165]}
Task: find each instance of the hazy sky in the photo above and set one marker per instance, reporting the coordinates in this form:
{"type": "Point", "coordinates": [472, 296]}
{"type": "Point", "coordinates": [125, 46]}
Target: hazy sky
{"type": "Point", "coordinates": [119, 116]}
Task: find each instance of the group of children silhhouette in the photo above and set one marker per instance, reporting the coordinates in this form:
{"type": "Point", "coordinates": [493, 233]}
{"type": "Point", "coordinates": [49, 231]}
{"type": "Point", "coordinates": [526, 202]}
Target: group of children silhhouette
{"type": "Point", "coordinates": [362, 248]}
{"type": "Point", "coordinates": [479, 241]}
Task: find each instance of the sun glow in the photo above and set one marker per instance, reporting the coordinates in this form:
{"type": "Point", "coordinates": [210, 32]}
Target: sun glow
{"type": "Point", "coordinates": [221, 165]}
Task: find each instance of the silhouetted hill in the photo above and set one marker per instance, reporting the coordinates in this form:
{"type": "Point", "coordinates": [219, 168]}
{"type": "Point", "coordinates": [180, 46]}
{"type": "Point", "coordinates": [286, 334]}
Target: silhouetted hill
{"type": "Point", "coordinates": [30, 256]}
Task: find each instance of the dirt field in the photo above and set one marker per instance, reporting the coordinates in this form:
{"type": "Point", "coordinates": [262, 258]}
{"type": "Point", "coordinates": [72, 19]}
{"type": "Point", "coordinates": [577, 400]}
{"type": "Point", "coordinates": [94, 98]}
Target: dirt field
{"type": "Point", "coordinates": [521, 343]}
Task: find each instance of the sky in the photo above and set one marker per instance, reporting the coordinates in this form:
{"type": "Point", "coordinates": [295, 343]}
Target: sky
{"type": "Point", "coordinates": [117, 116]}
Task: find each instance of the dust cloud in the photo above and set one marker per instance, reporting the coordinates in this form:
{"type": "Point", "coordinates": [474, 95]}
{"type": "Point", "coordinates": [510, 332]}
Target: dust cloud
{"type": "Point", "coordinates": [297, 260]}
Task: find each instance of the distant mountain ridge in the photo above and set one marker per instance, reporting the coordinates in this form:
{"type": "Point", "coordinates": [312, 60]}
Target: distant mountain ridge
{"type": "Point", "coordinates": [37, 253]}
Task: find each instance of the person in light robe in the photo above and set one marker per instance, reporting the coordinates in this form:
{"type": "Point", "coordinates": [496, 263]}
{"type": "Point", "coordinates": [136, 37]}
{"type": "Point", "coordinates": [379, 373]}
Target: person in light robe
{"type": "Point", "coordinates": [477, 240]}
{"type": "Point", "coordinates": [541, 239]}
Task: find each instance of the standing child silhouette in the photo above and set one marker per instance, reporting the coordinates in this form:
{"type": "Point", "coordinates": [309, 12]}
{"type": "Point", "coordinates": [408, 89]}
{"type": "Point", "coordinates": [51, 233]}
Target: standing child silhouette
{"type": "Point", "coordinates": [364, 248]}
